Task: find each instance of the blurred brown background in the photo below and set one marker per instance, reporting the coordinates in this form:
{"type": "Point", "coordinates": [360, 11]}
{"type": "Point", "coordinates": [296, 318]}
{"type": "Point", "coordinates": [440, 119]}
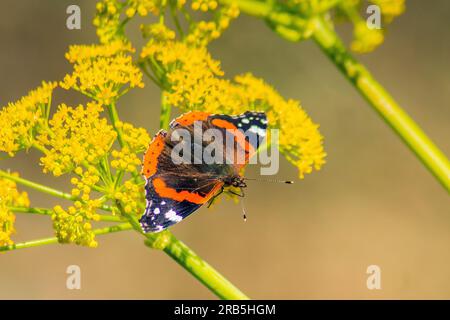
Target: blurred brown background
{"type": "Point", "coordinates": [373, 202]}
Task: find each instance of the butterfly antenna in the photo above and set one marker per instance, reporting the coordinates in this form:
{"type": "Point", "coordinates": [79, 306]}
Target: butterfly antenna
{"type": "Point", "coordinates": [271, 180]}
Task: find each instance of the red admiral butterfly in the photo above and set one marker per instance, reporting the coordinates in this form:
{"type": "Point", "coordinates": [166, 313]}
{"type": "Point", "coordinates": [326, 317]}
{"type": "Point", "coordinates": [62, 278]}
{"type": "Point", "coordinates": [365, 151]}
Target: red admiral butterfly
{"type": "Point", "coordinates": [174, 191]}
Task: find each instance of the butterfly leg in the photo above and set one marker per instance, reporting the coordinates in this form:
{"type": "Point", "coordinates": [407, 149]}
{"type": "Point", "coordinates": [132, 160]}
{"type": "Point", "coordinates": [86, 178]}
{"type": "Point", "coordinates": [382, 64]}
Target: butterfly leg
{"type": "Point", "coordinates": [211, 201]}
{"type": "Point", "coordinates": [237, 194]}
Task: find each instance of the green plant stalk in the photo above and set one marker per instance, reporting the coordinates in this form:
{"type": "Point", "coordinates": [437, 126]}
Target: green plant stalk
{"type": "Point", "coordinates": [185, 257]}
{"type": "Point", "coordinates": [430, 155]}
{"type": "Point", "coordinates": [115, 120]}
{"type": "Point", "coordinates": [37, 186]}
{"type": "Point", "coordinates": [44, 189]}
{"type": "Point", "coordinates": [166, 108]}
{"type": "Point", "coordinates": [201, 270]}
{"type": "Point", "coordinates": [49, 212]}
{"type": "Point", "coordinates": [53, 240]}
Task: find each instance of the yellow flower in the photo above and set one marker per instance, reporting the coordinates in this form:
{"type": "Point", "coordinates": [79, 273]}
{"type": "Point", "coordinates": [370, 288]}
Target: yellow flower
{"type": "Point", "coordinates": [132, 196]}
{"type": "Point", "coordinates": [107, 21]}
{"type": "Point", "coordinates": [300, 139]}
{"type": "Point", "coordinates": [203, 32]}
{"type": "Point", "coordinates": [76, 136]}
{"type": "Point", "coordinates": [19, 121]}
{"type": "Point", "coordinates": [390, 8]}
{"type": "Point", "coordinates": [79, 53]}
{"type": "Point", "coordinates": [74, 224]}
{"type": "Point", "coordinates": [157, 31]}
{"type": "Point", "coordinates": [143, 7]}
{"type": "Point", "coordinates": [125, 160]}
{"type": "Point", "coordinates": [193, 81]}
{"type": "Point", "coordinates": [9, 197]}
{"type": "Point", "coordinates": [102, 72]}
{"type": "Point", "coordinates": [204, 5]}
{"type": "Point", "coordinates": [137, 139]}
{"type": "Point", "coordinates": [365, 39]}
{"type": "Point", "coordinates": [86, 180]}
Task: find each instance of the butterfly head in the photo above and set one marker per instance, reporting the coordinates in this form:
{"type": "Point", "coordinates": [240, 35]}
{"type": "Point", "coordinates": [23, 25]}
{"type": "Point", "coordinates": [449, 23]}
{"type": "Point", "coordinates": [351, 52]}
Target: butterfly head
{"type": "Point", "coordinates": [235, 181]}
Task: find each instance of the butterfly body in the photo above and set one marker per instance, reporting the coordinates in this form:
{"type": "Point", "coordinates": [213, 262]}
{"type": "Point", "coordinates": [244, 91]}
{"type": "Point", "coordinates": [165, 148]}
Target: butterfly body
{"type": "Point", "coordinates": [175, 190]}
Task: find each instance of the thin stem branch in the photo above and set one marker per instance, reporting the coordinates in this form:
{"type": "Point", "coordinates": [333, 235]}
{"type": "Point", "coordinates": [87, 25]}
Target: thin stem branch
{"type": "Point", "coordinates": [49, 212]}
{"type": "Point", "coordinates": [115, 121]}
{"type": "Point", "coordinates": [166, 108]}
{"type": "Point", "coordinates": [53, 240]}
{"type": "Point", "coordinates": [44, 189]}
{"type": "Point", "coordinates": [37, 186]}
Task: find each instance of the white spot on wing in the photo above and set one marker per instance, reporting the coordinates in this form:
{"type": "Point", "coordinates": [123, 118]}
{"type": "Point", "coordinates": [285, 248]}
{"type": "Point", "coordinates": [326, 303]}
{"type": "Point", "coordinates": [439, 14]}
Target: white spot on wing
{"type": "Point", "coordinates": [172, 216]}
{"type": "Point", "coordinates": [259, 131]}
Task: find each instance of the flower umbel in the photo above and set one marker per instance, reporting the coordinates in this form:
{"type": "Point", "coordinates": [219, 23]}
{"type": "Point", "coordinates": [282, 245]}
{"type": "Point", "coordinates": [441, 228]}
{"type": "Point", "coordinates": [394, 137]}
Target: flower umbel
{"type": "Point", "coordinates": [102, 72]}
{"type": "Point", "coordinates": [76, 136]}
{"type": "Point", "coordinates": [19, 121]}
{"type": "Point", "coordinates": [9, 197]}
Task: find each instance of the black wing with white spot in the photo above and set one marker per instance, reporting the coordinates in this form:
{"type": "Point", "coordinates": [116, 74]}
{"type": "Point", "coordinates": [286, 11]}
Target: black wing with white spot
{"type": "Point", "coordinates": [252, 123]}
{"type": "Point", "coordinates": [160, 213]}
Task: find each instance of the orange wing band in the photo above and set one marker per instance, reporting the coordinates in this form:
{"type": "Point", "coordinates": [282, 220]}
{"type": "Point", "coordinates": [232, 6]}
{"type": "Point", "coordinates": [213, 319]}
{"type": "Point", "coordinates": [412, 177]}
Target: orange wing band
{"type": "Point", "coordinates": [151, 156]}
{"type": "Point", "coordinates": [167, 192]}
{"type": "Point", "coordinates": [240, 137]}
{"type": "Point", "coordinates": [190, 117]}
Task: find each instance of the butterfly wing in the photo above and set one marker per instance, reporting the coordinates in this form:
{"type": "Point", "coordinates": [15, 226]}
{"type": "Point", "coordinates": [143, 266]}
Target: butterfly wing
{"type": "Point", "coordinates": [249, 128]}
{"type": "Point", "coordinates": [174, 191]}
{"type": "Point", "coordinates": [163, 211]}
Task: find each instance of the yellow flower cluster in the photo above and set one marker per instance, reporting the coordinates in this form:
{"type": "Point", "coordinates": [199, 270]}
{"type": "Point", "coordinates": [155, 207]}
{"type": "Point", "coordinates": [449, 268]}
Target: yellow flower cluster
{"type": "Point", "coordinates": [204, 5]}
{"type": "Point", "coordinates": [143, 7]}
{"type": "Point", "coordinates": [365, 39]}
{"type": "Point", "coordinates": [79, 53]}
{"type": "Point", "coordinates": [84, 183]}
{"type": "Point", "coordinates": [157, 32]}
{"type": "Point", "coordinates": [185, 67]}
{"type": "Point", "coordinates": [390, 8]}
{"type": "Point", "coordinates": [107, 21]}
{"type": "Point", "coordinates": [300, 139]}
{"type": "Point", "coordinates": [194, 83]}
{"type": "Point", "coordinates": [20, 120]}
{"type": "Point", "coordinates": [9, 197]}
{"type": "Point", "coordinates": [76, 136]}
{"type": "Point", "coordinates": [136, 141]}
{"type": "Point", "coordinates": [125, 160]}
{"type": "Point", "coordinates": [73, 225]}
{"type": "Point", "coordinates": [132, 197]}
{"type": "Point", "coordinates": [102, 72]}
{"type": "Point", "coordinates": [203, 32]}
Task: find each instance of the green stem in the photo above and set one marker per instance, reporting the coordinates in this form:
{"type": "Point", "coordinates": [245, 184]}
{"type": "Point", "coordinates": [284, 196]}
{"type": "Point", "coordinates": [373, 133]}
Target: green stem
{"type": "Point", "coordinates": [166, 108]}
{"type": "Point", "coordinates": [201, 270]}
{"type": "Point", "coordinates": [44, 189]}
{"type": "Point", "coordinates": [192, 263]}
{"type": "Point", "coordinates": [115, 121]}
{"type": "Point", "coordinates": [53, 240]}
{"type": "Point", "coordinates": [37, 186]}
{"type": "Point", "coordinates": [410, 132]}
{"type": "Point", "coordinates": [49, 212]}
